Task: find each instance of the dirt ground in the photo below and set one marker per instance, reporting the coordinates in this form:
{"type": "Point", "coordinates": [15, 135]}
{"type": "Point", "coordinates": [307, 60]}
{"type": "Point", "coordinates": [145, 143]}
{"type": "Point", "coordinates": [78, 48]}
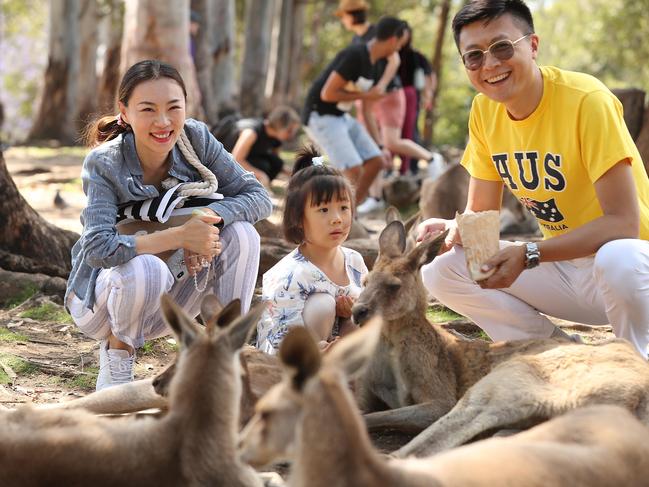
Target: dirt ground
{"type": "Point", "coordinates": [43, 357]}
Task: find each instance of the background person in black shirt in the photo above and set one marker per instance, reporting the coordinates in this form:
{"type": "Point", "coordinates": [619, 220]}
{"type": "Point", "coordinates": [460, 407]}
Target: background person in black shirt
{"type": "Point", "coordinates": [255, 142]}
{"type": "Point", "coordinates": [350, 77]}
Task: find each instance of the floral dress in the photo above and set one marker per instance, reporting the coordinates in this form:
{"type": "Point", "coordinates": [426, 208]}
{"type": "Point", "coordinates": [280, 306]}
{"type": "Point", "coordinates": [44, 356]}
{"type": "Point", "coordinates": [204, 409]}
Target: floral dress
{"type": "Point", "coordinates": [287, 286]}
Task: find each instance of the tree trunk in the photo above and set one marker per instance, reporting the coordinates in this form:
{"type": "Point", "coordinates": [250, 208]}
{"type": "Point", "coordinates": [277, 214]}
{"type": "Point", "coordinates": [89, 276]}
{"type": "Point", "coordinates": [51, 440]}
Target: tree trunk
{"type": "Point", "coordinates": [222, 49]}
{"type": "Point", "coordinates": [643, 140]}
{"type": "Point", "coordinates": [87, 84]}
{"type": "Point", "coordinates": [203, 60]}
{"type": "Point", "coordinates": [259, 16]}
{"type": "Point", "coordinates": [288, 47]}
{"type": "Point", "coordinates": [633, 102]}
{"type": "Point", "coordinates": [157, 29]}
{"type": "Point", "coordinates": [109, 81]}
{"type": "Point", "coordinates": [271, 90]}
{"type": "Point", "coordinates": [57, 104]}
{"type": "Point", "coordinates": [437, 70]}
{"type": "Point", "coordinates": [294, 89]}
{"type": "Point", "coordinates": [29, 243]}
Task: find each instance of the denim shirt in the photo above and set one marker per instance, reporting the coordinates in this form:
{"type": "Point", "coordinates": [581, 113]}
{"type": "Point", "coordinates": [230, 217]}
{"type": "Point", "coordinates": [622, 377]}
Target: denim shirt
{"type": "Point", "coordinates": [112, 175]}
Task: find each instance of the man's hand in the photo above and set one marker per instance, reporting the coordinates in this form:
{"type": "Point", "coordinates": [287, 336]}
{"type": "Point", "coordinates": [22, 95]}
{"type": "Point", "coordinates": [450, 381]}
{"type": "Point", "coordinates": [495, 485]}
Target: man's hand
{"type": "Point", "coordinates": [435, 226]}
{"type": "Point", "coordinates": [373, 94]}
{"type": "Point", "coordinates": [509, 263]}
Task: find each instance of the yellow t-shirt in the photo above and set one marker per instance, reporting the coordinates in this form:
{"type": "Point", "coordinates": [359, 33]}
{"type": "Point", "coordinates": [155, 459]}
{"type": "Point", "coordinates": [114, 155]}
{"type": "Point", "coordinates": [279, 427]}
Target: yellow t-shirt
{"type": "Point", "coordinates": [551, 159]}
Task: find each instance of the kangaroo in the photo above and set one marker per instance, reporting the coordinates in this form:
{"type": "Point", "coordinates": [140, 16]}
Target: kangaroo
{"type": "Point", "coordinates": [311, 418]}
{"type": "Point", "coordinates": [421, 376]}
{"type": "Point", "coordinates": [259, 371]}
{"type": "Point", "coordinates": [194, 444]}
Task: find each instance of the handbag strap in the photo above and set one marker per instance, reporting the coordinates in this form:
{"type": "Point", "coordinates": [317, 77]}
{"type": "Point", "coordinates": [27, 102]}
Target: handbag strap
{"type": "Point", "coordinates": [209, 184]}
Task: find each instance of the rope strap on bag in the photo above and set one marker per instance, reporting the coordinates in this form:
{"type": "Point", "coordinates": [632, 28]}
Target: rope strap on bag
{"type": "Point", "coordinates": [209, 184]}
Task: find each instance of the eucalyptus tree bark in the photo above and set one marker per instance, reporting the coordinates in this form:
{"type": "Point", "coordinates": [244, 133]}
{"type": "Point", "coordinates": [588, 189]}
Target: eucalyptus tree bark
{"type": "Point", "coordinates": [109, 80]}
{"type": "Point", "coordinates": [643, 140]}
{"type": "Point", "coordinates": [54, 119]}
{"type": "Point", "coordinates": [159, 29]}
{"type": "Point", "coordinates": [295, 77]}
{"type": "Point", "coordinates": [222, 48]}
{"type": "Point", "coordinates": [203, 61]}
{"type": "Point", "coordinates": [28, 243]}
{"type": "Point", "coordinates": [632, 100]}
{"type": "Point", "coordinates": [437, 70]}
{"type": "Point", "coordinates": [259, 16]}
{"type": "Point", "coordinates": [287, 46]}
{"type": "Point", "coordinates": [86, 96]}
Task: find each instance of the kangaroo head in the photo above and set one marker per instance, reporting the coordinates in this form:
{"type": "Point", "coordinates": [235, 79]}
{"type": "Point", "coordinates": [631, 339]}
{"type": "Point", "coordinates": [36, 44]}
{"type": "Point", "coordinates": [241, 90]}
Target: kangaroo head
{"type": "Point", "coordinates": [215, 346]}
{"type": "Point", "coordinates": [394, 287]}
{"type": "Point", "coordinates": [270, 435]}
{"type": "Point", "coordinates": [211, 313]}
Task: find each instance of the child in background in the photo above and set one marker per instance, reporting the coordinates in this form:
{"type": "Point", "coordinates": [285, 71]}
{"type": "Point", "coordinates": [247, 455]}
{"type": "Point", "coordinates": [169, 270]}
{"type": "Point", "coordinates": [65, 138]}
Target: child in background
{"type": "Point", "coordinates": [316, 284]}
{"type": "Point", "coordinates": [255, 142]}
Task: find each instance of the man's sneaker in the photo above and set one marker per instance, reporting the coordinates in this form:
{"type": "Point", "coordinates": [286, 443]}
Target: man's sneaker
{"type": "Point", "coordinates": [115, 366]}
{"type": "Point", "coordinates": [369, 205]}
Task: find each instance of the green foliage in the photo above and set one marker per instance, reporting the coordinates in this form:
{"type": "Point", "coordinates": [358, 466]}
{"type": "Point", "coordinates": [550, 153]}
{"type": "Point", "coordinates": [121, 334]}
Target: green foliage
{"type": "Point", "coordinates": [605, 38]}
{"type": "Point", "coordinates": [441, 314]}
{"type": "Point", "coordinates": [23, 295]}
{"type": "Point", "coordinates": [85, 381]}
{"type": "Point", "coordinates": [18, 365]}
{"type": "Point", "coordinates": [10, 336]}
{"type": "Point", "coordinates": [47, 312]}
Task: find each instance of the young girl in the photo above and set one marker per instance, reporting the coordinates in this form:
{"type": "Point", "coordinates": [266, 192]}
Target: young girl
{"type": "Point", "coordinates": [316, 284]}
{"type": "Point", "coordinates": [114, 288]}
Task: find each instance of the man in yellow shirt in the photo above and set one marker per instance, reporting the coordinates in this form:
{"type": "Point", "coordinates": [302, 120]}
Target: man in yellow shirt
{"type": "Point", "coordinates": [558, 140]}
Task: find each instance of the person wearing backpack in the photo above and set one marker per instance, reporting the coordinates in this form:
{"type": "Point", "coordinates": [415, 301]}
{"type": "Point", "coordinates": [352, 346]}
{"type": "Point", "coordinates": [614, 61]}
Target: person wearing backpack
{"type": "Point", "coordinates": [255, 142]}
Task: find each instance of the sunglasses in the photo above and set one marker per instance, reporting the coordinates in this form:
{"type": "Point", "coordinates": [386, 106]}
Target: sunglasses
{"type": "Point", "coordinates": [501, 50]}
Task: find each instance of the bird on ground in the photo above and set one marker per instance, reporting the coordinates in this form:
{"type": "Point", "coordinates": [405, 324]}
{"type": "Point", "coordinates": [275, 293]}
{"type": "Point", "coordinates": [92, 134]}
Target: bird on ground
{"type": "Point", "coordinates": [59, 202]}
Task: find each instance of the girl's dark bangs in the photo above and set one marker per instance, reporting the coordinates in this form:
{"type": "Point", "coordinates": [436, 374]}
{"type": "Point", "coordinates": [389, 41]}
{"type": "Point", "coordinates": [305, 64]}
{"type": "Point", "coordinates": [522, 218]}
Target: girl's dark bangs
{"type": "Point", "coordinates": [323, 189]}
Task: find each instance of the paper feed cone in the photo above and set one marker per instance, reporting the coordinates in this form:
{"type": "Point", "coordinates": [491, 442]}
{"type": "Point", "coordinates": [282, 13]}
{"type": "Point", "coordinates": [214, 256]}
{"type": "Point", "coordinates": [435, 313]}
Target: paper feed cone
{"type": "Point", "coordinates": [480, 233]}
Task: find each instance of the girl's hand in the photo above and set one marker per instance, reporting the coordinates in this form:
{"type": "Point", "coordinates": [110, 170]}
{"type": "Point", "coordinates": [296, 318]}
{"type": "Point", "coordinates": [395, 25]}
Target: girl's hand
{"type": "Point", "coordinates": [326, 346]}
{"type": "Point", "coordinates": [509, 263]}
{"type": "Point", "coordinates": [435, 226]}
{"type": "Point", "coordinates": [344, 306]}
{"type": "Point", "coordinates": [200, 235]}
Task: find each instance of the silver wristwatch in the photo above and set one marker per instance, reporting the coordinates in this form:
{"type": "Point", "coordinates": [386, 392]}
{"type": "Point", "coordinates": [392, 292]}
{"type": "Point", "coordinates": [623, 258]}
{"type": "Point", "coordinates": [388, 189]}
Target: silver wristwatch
{"type": "Point", "coordinates": [532, 255]}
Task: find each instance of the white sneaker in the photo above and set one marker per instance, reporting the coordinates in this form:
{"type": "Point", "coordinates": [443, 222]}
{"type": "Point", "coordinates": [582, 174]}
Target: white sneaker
{"type": "Point", "coordinates": [369, 205]}
{"type": "Point", "coordinates": [115, 366]}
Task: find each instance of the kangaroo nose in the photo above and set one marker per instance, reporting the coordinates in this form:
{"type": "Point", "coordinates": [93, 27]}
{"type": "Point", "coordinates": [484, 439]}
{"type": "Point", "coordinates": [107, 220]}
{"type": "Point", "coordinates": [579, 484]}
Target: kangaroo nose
{"type": "Point", "coordinates": [360, 313]}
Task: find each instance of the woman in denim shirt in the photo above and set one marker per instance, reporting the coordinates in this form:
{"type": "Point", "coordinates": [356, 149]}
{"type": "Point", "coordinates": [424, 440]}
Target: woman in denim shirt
{"type": "Point", "coordinates": [116, 280]}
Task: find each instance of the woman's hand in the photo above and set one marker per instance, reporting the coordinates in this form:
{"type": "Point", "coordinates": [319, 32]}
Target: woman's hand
{"type": "Point", "coordinates": [200, 236]}
{"type": "Point", "coordinates": [509, 263]}
{"type": "Point", "coordinates": [435, 226]}
{"type": "Point", "coordinates": [344, 306]}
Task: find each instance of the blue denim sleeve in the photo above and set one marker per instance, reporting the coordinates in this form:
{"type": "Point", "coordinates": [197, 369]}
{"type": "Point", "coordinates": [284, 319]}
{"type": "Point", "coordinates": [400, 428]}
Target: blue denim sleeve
{"type": "Point", "coordinates": [102, 245]}
{"type": "Point", "coordinates": [244, 198]}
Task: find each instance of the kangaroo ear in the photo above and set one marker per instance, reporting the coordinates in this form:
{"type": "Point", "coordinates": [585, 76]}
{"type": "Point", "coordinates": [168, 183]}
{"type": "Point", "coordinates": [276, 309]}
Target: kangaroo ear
{"type": "Point", "coordinates": [413, 221]}
{"type": "Point", "coordinates": [210, 309]}
{"type": "Point", "coordinates": [231, 312]}
{"type": "Point", "coordinates": [300, 355]}
{"type": "Point", "coordinates": [239, 331]}
{"type": "Point", "coordinates": [392, 241]}
{"type": "Point", "coordinates": [426, 251]}
{"type": "Point", "coordinates": [352, 352]}
{"type": "Point", "coordinates": [182, 325]}
{"type": "Point", "coordinates": [392, 215]}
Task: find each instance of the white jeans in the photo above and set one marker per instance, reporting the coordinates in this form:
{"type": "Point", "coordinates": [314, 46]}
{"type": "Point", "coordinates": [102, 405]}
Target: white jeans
{"type": "Point", "coordinates": [610, 287]}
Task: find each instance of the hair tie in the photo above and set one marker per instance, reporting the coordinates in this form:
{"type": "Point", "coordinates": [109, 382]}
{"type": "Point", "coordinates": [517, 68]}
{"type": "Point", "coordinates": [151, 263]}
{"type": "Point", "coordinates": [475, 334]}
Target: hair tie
{"type": "Point", "coordinates": [121, 122]}
{"type": "Point", "coordinates": [318, 160]}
